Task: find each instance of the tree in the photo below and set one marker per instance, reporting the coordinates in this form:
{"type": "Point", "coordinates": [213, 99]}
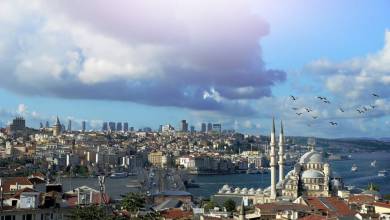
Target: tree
{"type": "Point", "coordinates": [90, 213]}
{"type": "Point", "coordinates": [133, 202]}
{"type": "Point", "coordinates": [210, 205]}
{"type": "Point", "coordinates": [230, 205]}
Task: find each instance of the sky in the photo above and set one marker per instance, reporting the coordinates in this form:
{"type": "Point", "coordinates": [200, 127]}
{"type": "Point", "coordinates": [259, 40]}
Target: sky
{"type": "Point", "coordinates": [231, 62]}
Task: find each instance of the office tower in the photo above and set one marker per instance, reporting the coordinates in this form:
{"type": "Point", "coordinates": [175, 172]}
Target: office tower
{"type": "Point", "coordinates": [184, 126]}
{"type": "Point", "coordinates": [160, 128]}
{"type": "Point", "coordinates": [209, 127]}
{"type": "Point", "coordinates": [40, 125]}
{"type": "Point", "coordinates": [70, 125]}
{"type": "Point", "coordinates": [63, 127]}
{"type": "Point", "coordinates": [131, 129]}
{"type": "Point", "coordinates": [203, 129]}
{"type": "Point", "coordinates": [83, 126]}
{"type": "Point", "coordinates": [125, 127]}
{"type": "Point", "coordinates": [192, 129]}
{"type": "Point", "coordinates": [47, 124]}
{"type": "Point", "coordinates": [217, 128]}
{"type": "Point", "coordinates": [111, 126]}
{"type": "Point", "coordinates": [119, 126]}
{"type": "Point", "coordinates": [105, 126]}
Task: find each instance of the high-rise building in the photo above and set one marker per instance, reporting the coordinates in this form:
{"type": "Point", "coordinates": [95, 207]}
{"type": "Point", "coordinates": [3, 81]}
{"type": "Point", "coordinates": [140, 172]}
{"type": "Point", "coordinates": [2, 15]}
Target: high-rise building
{"type": "Point", "coordinates": [209, 127]}
{"type": "Point", "coordinates": [217, 128]}
{"type": "Point", "coordinates": [184, 126]}
{"type": "Point", "coordinates": [40, 125]}
{"type": "Point", "coordinates": [105, 126]}
{"type": "Point", "coordinates": [192, 129]}
{"type": "Point", "coordinates": [119, 126]}
{"type": "Point", "coordinates": [203, 129]}
{"type": "Point", "coordinates": [131, 129]}
{"type": "Point", "coordinates": [160, 128]}
{"type": "Point", "coordinates": [125, 127]}
{"type": "Point", "coordinates": [47, 124]}
{"type": "Point", "coordinates": [111, 126]}
{"type": "Point", "coordinates": [83, 126]}
{"type": "Point", "coordinates": [70, 125]}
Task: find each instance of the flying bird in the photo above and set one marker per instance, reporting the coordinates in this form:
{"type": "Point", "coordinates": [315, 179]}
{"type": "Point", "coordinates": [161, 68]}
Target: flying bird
{"type": "Point", "coordinates": [365, 108]}
{"type": "Point", "coordinates": [308, 109]}
{"type": "Point", "coordinates": [293, 97]}
{"type": "Point", "coordinates": [375, 95]}
{"type": "Point", "coordinates": [372, 106]}
{"type": "Point", "coordinates": [333, 123]}
{"type": "Point", "coordinates": [294, 108]}
{"type": "Point", "coordinates": [314, 117]}
{"type": "Point", "coordinates": [360, 111]}
{"type": "Point", "coordinates": [299, 113]}
{"type": "Point", "coordinates": [321, 98]}
{"type": "Point", "coordinates": [341, 110]}
{"type": "Point", "coordinates": [326, 101]}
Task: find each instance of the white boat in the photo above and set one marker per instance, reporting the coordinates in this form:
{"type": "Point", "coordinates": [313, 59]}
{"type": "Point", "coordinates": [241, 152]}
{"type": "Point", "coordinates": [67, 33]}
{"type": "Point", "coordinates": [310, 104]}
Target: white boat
{"type": "Point", "coordinates": [354, 168]}
{"type": "Point", "coordinates": [382, 173]}
{"type": "Point", "coordinates": [373, 163]}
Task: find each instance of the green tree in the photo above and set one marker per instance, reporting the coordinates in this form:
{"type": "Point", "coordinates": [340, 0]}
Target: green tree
{"type": "Point", "coordinates": [133, 202]}
{"type": "Point", "coordinates": [90, 213]}
{"type": "Point", "coordinates": [230, 205]}
{"type": "Point", "coordinates": [210, 205]}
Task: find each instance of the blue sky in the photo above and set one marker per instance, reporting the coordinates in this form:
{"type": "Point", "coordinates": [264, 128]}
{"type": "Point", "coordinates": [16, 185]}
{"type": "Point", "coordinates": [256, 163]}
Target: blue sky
{"type": "Point", "coordinates": [152, 63]}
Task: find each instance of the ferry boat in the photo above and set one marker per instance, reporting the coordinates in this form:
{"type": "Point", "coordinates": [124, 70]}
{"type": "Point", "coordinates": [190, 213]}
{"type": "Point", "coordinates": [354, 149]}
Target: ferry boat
{"type": "Point", "coordinates": [373, 163]}
{"type": "Point", "coordinates": [118, 175]}
{"type": "Point", "coordinates": [354, 168]}
{"type": "Point", "coordinates": [382, 173]}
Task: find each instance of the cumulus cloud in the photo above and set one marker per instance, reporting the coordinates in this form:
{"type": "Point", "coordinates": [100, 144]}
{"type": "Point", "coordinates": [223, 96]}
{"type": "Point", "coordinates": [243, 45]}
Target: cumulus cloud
{"type": "Point", "coordinates": [200, 55]}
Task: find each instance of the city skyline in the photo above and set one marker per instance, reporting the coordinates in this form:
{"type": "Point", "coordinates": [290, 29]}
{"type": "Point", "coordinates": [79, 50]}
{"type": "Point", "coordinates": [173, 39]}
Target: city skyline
{"type": "Point", "coordinates": [87, 63]}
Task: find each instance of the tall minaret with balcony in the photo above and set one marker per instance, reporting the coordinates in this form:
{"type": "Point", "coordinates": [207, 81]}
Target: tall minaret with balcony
{"type": "Point", "coordinates": [281, 153]}
{"type": "Point", "coordinates": [273, 161]}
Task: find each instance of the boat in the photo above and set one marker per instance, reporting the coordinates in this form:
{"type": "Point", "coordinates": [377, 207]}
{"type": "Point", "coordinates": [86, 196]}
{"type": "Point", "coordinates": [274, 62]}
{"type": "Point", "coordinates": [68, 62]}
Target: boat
{"type": "Point", "coordinates": [373, 163]}
{"type": "Point", "coordinates": [118, 175]}
{"type": "Point", "coordinates": [382, 173]}
{"type": "Point", "coordinates": [252, 171]}
{"type": "Point", "coordinates": [354, 168]}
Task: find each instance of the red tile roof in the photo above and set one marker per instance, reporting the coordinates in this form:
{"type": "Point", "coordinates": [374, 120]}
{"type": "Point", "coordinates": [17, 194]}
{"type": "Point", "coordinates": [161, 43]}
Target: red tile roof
{"type": "Point", "coordinates": [313, 217]}
{"type": "Point", "coordinates": [12, 181]}
{"type": "Point", "coordinates": [276, 207]}
{"type": "Point", "coordinates": [333, 206]}
{"type": "Point", "coordinates": [177, 214]}
{"type": "Point", "coordinates": [72, 200]}
{"type": "Point", "coordinates": [382, 204]}
{"type": "Point", "coordinates": [361, 199]}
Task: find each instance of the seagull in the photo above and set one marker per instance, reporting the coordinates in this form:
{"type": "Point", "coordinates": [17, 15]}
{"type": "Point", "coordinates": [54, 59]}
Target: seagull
{"type": "Point", "coordinates": [299, 113]}
{"type": "Point", "coordinates": [333, 123]}
{"type": "Point", "coordinates": [308, 109]}
{"type": "Point", "coordinates": [360, 111]}
{"type": "Point", "coordinates": [341, 109]}
{"type": "Point", "coordinates": [321, 98]}
{"type": "Point", "coordinates": [294, 108]}
{"type": "Point", "coordinates": [365, 108]}
{"type": "Point", "coordinates": [372, 106]}
{"type": "Point", "coordinates": [376, 95]}
{"type": "Point", "coordinates": [326, 101]}
{"type": "Point", "coordinates": [315, 117]}
{"type": "Point", "coordinates": [293, 97]}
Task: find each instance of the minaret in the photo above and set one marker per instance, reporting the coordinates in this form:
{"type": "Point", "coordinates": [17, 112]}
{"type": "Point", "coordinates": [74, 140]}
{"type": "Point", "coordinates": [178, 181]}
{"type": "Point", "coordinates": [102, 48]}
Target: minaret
{"type": "Point", "coordinates": [273, 161]}
{"type": "Point", "coordinates": [281, 153]}
{"type": "Point", "coordinates": [242, 211]}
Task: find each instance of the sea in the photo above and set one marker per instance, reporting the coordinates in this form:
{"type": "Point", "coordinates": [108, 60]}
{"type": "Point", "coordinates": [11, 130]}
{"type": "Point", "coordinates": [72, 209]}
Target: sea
{"type": "Point", "coordinates": [210, 184]}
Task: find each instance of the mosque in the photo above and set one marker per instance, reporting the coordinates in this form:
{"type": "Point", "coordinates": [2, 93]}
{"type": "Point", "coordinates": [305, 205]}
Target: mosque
{"type": "Point", "coordinates": [311, 176]}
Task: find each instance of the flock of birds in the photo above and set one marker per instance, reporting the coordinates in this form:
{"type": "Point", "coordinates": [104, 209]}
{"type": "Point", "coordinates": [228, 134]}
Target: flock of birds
{"type": "Point", "coordinates": [359, 109]}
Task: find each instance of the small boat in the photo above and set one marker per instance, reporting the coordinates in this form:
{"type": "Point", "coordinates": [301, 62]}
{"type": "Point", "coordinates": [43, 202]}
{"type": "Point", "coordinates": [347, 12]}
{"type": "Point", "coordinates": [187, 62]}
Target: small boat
{"type": "Point", "coordinates": [373, 163]}
{"type": "Point", "coordinates": [118, 175]}
{"type": "Point", "coordinates": [354, 168]}
{"type": "Point", "coordinates": [382, 173]}
{"type": "Point", "coordinates": [252, 171]}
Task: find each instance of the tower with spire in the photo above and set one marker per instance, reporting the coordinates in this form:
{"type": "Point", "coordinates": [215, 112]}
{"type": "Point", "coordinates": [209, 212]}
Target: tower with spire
{"type": "Point", "coordinates": [273, 161]}
{"type": "Point", "coordinates": [281, 153]}
{"type": "Point", "coordinates": [57, 127]}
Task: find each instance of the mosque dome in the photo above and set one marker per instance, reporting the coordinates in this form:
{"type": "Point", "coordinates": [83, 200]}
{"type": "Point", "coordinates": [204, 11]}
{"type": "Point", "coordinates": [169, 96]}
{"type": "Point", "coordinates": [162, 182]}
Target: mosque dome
{"type": "Point", "coordinates": [312, 174]}
{"type": "Point", "coordinates": [311, 157]}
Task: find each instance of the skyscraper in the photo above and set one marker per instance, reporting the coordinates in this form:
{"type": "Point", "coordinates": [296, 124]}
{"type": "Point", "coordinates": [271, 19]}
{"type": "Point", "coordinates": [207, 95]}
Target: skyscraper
{"type": "Point", "coordinates": [184, 126]}
{"type": "Point", "coordinates": [125, 127]}
{"type": "Point", "coordinates": [47, 124]}
{"type": "Point", "coordinates": [111, 126]}
{"type": "Point", "coordinates": [69, 125]}
{"type": "Point", "coordinates": [203, 129]}
{"type": "Point", "coordinates": [83, 126]}
{"type": "Point", "coordinates": [217, 128]}
{"type": "Point", "coordinates": [105, 126]}
{"type": "Point", "coordinates": [119, 126]}
{"type": "Point", "coordinates": [192, 129]}
{"type": "Point", "coordinates": [209, 127]}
